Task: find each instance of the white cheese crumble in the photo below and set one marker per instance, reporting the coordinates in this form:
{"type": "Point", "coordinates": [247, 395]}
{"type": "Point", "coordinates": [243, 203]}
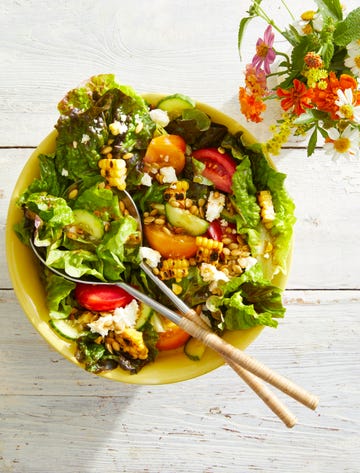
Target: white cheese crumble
{"type": "Point", "coordinates": [215, 205]}
{"type": "Point", "coordinates": [118, 128]}
{"type": "Point", "coordinates": [64, 172]}
{"type": "Point", "coordinates": [85, 139]}
{"type": "Point", "coordinates": [146, 179]}
{"type": "Point", "coordinates": [247, 262]}
{"type": "Point", "coordinates": [150, 256]}
{"type": "Point", "coordinates": [74, 143]}
{"type": "Point", "coordinates": [211, 274]}
{"type": "Point", "coordinates": [121, 318]}
{"type": "Point", "coordinates": [160, 117]}
{"type": "Point", "coordinates": [168, 174]}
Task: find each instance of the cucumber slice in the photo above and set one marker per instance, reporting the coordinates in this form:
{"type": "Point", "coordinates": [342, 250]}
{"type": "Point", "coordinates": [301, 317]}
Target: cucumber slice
{"type": "Point", "coordinates": [175, 104]}
{"type": "Point", "coordinates": [67, 328]}
{"type": "Point", "coordinates": [194, 349]}
{"type": "Point", "coordinates": [90, 224]}
{"type": "Point", "coordinates": [182, 218]}
{"type": "Point", "coordinates": [146, 313]}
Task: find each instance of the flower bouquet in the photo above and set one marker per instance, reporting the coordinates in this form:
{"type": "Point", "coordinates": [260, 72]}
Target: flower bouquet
{"type": "Point", "coordinates": [317, 81]}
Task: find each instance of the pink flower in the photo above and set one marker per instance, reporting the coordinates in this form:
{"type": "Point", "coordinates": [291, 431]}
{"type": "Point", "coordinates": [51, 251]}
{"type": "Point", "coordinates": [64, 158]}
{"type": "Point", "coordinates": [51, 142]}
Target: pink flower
{"type": "Point", "coordinates": [265, 53]}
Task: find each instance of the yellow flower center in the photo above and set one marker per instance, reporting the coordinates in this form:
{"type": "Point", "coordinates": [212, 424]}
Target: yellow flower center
{"type": "Point", "coordinates": [357, 61]}
{"type": "Point", "coordinates": [262, 50]}
{"type": "Point", "coordinates": [308, 15]}
{"type": "Point", "coordinates": [346, 111]}
{"type": "Point", "coordinates": [342, 145]}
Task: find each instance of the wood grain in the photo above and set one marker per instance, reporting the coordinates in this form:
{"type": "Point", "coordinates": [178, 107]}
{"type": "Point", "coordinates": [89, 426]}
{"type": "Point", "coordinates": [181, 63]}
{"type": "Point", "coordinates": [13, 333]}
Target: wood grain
{"type": "Point", "coordinates": [57, 418]}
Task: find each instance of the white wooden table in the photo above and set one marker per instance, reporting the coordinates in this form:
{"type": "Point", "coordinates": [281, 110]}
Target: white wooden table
{"type": "Point", "coordinates": [55, 417]}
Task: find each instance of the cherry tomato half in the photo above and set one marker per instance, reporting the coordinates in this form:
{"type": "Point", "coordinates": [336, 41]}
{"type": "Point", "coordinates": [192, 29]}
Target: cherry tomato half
{"type": "Point", "coordinates": [215, 231]}
{"type": "Point", "coordinates": [173, 337]}
{"type": "Point", "coordinates": [167, 150]}
{"type": "Point", "coordinates": [99, 297]}
{"type": "Point", "coordinates": [170, 245]}
{"type": "Point", "coordinates": [220, 167]}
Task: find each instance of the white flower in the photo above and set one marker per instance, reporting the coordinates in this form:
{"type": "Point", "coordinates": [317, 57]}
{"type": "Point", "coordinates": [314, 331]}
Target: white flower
{"type": "Point", "coordinates": [353, 59]}
{"type": "Point", "coordinates": [347, 108]}
{"type": "Point", "coordinates": [309, 20]}
{"type": "Point", "coordinates": [345, 144]}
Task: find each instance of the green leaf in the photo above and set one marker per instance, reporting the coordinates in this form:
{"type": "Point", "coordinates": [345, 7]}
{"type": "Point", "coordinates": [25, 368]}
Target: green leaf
{"type": "Point", "coordinates": [348, 30]}
{"type": "Point", "coordinates": [327, 52]}
{"type": "Point", "coordinates": [243, 24]}
{"type": "Point", "coordinates": [312, 143]}
{"type": "Point", "coordinates": [330, 8]}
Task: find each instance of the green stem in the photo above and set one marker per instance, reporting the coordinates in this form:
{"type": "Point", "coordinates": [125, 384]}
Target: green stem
{"type": "Point", "coordinates": [288, 10]}
{"type": "Point", "coordinates": [280, 53]}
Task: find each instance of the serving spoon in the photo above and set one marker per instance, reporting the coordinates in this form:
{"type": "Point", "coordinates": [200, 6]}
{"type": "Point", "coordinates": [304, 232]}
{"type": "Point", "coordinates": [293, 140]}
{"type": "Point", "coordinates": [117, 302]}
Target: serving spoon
{"type": "Point", "coordinates": [243, 364]}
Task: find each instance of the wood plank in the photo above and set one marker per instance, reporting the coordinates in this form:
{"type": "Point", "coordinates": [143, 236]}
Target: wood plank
{"type": "Point", "coordinates": [89, 424]}
{"type": "Point", "coordinates": [39, 67]}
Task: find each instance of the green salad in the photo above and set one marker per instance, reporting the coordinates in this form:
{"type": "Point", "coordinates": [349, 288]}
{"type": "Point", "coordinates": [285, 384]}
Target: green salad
{"type": "Point", "coordinates": [217, 224]}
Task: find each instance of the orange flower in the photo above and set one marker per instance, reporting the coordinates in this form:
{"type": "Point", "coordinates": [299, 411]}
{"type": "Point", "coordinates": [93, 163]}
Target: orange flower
{"type": "Point", "coordinates": [325, 98]}
{"type": "Point", "coordinates": [251, 105]}
{"type": "Point", "coordinates": [255, 81]}
{"type": "Point", "coordinates": [298, 97]}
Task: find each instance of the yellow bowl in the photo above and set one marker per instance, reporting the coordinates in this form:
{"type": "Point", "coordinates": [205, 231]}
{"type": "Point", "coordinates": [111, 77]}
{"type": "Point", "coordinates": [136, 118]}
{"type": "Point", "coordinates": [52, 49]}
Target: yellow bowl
{"type": "Point", "coordinates": [24, 269]}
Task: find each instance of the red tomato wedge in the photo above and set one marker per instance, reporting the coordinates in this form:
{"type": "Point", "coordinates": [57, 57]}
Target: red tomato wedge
{"type": "Point", "coordinates": [101, 297]}
{"type": "Point", "coordinates": [170, 245]}
{"type": "Point", "coordinates": [166, 150]}
{"type": "Point", "coordinates": [220, 167]}
{"type": "Point", "coordinates": [215, 231]}
{"type": "Point", "coordinates": [173, 337]}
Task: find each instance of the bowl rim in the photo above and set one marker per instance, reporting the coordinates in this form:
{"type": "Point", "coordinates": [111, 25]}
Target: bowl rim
{"type": "Point", "coordinates": [27, 287]}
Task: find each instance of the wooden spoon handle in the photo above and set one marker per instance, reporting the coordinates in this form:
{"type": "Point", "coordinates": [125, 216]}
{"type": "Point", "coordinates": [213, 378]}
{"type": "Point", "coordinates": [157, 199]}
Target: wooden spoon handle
{"type": "Point", "coordinates": [248, 363]}
{"type": "Point", "coordinates": [264, 393]}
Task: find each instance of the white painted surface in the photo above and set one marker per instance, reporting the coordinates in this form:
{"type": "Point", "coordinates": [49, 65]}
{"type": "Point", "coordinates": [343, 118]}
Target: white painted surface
{"type": "Point", "coordinates": [57, 418]}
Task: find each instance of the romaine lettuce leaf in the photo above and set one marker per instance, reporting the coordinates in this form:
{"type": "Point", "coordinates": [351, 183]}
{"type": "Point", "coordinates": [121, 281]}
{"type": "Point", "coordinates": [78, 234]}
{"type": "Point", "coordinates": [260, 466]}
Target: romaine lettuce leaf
{"type": "Point", "coordinates": [114, 250]}
{"type": "Point", "coordinates": [100, 201]}
{"type": "Point", "coordinates": [58, 291]}
{"type": "Point", "coordinates": [247, 301]}
{"type": "Point", "coordinates": [244, 196]}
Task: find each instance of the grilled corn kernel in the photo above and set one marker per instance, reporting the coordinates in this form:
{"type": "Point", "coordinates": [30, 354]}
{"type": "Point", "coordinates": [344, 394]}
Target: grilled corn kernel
{"type": "Point", "coordinates": [208, 250]}
{"type": "Point", "coordinates": [131, 341]}
{"type": "Point", "coordinates": [176, 193]}
{"type": "Point", "coordinates": [114, 171]}
{"type": "Point", "coordinates": [174, 268]}
{"type": "Point", "coordinates": [267, 211]}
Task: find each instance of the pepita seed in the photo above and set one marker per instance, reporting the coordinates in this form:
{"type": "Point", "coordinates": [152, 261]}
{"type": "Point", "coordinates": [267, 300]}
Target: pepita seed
{"type": "Point", "coordinates": [149, 219]}
{"type": "Point", "coordinates": [139, 127]}
{"type": "Point", "coordinates": [166, 230]}
{"type": "Point", "coordinates": [188, 203]}
{"type": "Point", "coordinates": [73, 193]}
{"type": "Point", "coordinates": [106, 150]}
